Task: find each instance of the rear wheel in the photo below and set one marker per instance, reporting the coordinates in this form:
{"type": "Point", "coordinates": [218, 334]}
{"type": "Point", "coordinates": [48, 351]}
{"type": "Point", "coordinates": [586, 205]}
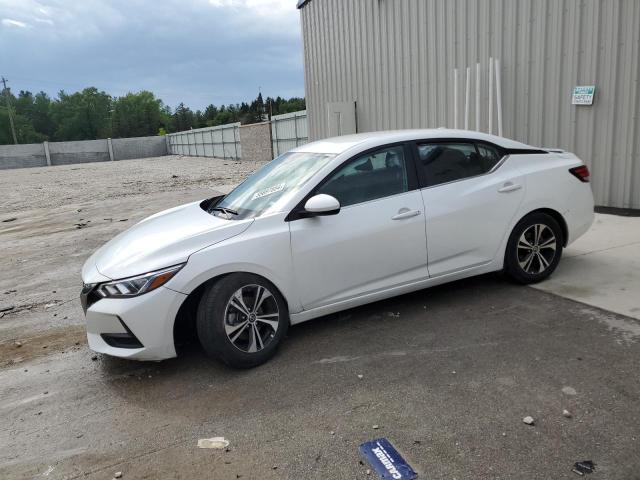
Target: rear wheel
{"type": "Point", "coordinates": [242, 318]}
{"type": "Point", "coordinates": [534, 248]}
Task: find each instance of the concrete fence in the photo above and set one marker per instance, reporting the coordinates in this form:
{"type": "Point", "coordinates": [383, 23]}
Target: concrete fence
{"type": "Point", "coordinates": [288, 131]}
{"type": "Point", "coordinates": [222, 141]}
{"type": "Point", "coordinates": [256, 142]}
{"type": "Point", "coordinates": [84, 151]}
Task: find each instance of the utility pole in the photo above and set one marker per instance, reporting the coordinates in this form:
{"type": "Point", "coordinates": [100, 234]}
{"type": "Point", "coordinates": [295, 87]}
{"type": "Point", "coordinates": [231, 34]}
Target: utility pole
{"type": "Point", "coordinates": [6, 96]}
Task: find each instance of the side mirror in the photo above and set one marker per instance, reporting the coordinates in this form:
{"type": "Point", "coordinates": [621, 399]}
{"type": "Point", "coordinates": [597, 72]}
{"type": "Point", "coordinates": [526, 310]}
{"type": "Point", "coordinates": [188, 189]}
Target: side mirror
{"type": "Point", "coordinates": [322, 205]}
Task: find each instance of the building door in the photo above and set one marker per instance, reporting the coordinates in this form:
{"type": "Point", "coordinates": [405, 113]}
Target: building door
{"type": "Point", "coordinates": [342, 118]}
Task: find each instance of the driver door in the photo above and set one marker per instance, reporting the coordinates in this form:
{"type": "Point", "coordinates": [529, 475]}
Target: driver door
{"type": "Point", "coordinates": [376, 241]}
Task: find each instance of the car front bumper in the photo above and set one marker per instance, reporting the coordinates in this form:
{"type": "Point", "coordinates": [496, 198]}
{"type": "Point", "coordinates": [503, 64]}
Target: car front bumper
{"type": "Point", "coordinates": [137, 328]}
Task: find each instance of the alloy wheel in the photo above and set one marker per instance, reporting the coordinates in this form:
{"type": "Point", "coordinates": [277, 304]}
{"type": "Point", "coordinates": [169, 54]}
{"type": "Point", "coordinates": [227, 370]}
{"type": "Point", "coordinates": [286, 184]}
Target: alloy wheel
{"type": "Point", "coordinates": [536, 249]}
{"type": "Point", "coordinates": [251, 318]}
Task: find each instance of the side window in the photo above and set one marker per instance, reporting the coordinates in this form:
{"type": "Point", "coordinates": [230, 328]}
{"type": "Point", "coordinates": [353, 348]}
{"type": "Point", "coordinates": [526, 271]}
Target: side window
{"type": "Point", "coordinates": [489, 156]}
{"type": "Point", "coordinates": [375, 175]}
{"type": "Point", "coordinates": [447, 162]}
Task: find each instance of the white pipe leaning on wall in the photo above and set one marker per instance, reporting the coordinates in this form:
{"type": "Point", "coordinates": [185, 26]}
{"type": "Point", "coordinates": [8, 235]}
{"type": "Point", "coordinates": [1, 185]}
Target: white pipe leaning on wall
{"type": "Point", "coordinates": [478, 97]}
{"type": "Point", "coordinates": [467, 93]}
{"type": "Point", "coordinates": [499, 97]}
{"type": "Point", "coordinates": [455, 98]}
{"type": "Point", "coordinates": [491, 95]}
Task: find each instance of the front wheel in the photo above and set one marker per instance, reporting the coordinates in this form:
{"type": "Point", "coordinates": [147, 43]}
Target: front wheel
{"type": "Point", "coordinates": [242, 318]}
{"type": "Point", "coordinates": [534, 248]}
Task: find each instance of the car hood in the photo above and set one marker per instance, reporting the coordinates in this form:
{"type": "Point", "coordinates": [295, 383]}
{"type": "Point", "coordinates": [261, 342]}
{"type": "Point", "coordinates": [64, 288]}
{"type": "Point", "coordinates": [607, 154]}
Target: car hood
{"type": "Point", "coordinates": [161, 240]}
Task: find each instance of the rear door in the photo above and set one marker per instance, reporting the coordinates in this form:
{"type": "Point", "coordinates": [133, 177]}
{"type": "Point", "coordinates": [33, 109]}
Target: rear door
{"type": "Point", "coordinates": [471, 195]}
{"type": "Point", "coordinates": [376, 241]}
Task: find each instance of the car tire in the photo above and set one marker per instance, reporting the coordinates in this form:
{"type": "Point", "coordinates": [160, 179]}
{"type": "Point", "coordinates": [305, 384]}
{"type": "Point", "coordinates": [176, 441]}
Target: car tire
{"type": "Point", "coordinates": [534, 248]}
{"type": "Point", "coordinates": [236, 326]}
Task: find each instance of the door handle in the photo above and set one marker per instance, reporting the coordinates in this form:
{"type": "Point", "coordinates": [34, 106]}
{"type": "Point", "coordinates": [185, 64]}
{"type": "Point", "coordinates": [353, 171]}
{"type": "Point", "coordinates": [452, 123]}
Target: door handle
{"type": "Point", "coordinates": [509, 187]}
{"type": "Point", "coordinates": [405, 213]}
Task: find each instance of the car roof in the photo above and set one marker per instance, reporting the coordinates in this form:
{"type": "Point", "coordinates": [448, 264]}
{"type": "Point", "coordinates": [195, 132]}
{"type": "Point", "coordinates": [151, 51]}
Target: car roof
{"type": "Point", "coordinates": [338, 145]}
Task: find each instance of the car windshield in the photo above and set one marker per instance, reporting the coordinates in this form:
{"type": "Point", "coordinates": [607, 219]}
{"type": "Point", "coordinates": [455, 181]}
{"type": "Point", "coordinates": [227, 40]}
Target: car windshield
{"type": "Point", "coordinates": [268, 189]}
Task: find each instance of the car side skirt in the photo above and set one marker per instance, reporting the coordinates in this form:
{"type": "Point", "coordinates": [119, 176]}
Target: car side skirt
{"type": "Point", "coordinates": [305, 315]}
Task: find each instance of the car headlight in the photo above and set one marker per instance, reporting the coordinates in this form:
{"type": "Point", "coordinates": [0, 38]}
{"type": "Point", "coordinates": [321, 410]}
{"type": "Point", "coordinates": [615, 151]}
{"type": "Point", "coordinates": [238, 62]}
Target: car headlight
{"type": "Point", "coordinates": [134, 286]}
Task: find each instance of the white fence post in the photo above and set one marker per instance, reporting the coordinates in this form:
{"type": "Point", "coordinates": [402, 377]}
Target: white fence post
{"type": "Point", "coordinates": [110, 147]}
{"type": "Point", "coordinates": [46, 153]}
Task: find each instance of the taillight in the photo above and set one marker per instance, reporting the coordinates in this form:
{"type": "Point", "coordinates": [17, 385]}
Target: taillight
{"type": "Point", "coordinates": [581, 173]}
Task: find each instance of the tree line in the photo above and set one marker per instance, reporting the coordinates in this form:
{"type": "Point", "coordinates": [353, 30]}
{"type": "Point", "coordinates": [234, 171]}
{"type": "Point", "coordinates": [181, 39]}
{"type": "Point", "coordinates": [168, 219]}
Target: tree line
{"type": "Point", "coordinates": [92, 114]}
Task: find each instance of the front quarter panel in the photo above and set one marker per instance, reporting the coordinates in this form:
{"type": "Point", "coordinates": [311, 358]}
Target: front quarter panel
{"type": "Point", "coordinates": [263, 249]}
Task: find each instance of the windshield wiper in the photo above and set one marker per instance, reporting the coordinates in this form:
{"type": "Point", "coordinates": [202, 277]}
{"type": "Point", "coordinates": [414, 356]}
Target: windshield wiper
{"type": "Point", "coordinates": [226, 211]}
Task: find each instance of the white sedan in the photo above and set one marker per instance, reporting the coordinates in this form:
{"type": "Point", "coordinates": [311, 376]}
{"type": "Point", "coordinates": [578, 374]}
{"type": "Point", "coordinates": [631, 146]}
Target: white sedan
{"type": "Point", "coordinates": [329, 226]}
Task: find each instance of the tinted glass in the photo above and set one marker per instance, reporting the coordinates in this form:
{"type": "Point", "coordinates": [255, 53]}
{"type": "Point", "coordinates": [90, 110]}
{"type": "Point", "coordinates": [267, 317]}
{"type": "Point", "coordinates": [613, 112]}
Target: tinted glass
{"type": "Point", "coordinates": [489, 156]}
{"type": "Point", "coordinates": [448, 162]}
{"type": "Point", "coordinates": [368, 177]}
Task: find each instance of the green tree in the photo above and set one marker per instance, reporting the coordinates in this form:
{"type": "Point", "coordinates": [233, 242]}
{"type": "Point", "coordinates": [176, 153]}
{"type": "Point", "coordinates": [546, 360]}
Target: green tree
{"type": "Point", "coordinates": [37, 110]}
{"type": "Point", "coordinates": [92, 114]}
{"type": "Point", "coordinates": [166, 119]}
{"type": "Point", "coordinates": [24, 129]}
{"type": "Point", "coordinates": [279, 105]}
{"type": "Point", "coordinates": [84, 115]}
{"type": "Point", "coordinates": [256, 110]}
{"type": "Point", "coordinates": [199, 120]}
{"type": "Point", "coordinates": [183, 118]}
{"type": "Point", "coordinates": [137, 115]}
{"type": "Point", "coordinates": [210, 114]}
{"type": "Point", "coordinates": [41, 115]}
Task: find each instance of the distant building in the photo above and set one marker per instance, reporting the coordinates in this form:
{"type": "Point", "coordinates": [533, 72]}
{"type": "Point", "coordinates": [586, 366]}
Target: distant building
{"type": "Point", "coordinates": [388, 64]}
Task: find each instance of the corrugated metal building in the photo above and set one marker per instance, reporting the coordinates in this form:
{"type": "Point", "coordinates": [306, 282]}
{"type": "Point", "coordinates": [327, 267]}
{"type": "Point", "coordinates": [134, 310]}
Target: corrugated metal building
{"type": "Point", "coordinates": [395, 60]}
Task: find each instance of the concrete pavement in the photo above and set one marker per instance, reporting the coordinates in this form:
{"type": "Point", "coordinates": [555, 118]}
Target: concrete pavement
{"type": "Point", "coordinates": [602, 268]}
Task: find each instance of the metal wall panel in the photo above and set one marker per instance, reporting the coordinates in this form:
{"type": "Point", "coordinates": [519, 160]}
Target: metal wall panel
{"type": "Point", "coordinates": [222, 141]}
{"type": "Point", "coordinates": [395, 59]}
{"type": "Point", "coordinates": [288, 131]}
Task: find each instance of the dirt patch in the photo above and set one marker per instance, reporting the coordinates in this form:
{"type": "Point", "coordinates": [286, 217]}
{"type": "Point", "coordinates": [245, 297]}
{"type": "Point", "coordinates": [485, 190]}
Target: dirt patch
{"type": "Point", "coordinates": [16, 351]}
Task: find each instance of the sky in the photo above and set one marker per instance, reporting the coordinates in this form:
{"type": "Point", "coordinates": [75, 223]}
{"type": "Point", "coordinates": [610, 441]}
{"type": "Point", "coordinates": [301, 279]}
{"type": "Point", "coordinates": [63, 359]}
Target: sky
{"type": "Point", "coordinates": [193, 51]}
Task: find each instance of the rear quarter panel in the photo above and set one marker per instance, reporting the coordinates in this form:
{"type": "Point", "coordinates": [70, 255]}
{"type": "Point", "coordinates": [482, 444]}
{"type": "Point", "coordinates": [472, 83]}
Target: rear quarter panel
{"type": "Point", "coordinates": [550, 185]}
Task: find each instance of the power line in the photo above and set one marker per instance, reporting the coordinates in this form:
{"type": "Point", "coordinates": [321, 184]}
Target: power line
{"type": "Point", "coordinates": [6, 96]}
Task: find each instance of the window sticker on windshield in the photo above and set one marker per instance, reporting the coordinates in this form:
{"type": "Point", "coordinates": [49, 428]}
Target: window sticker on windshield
{"type": "Point", "coordinates": [268, 191]}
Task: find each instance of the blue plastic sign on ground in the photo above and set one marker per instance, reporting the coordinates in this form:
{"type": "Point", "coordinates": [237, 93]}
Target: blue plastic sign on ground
{"type": "Point", "coordinates": [386, 460]}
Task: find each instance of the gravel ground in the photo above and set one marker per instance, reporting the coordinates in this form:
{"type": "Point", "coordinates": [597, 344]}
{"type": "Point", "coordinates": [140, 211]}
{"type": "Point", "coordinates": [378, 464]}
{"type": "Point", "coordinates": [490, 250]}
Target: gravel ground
{"type": "Point", "coordinates": [50, 187]}
{"type": "Point", "coordinates": [53, 218]}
